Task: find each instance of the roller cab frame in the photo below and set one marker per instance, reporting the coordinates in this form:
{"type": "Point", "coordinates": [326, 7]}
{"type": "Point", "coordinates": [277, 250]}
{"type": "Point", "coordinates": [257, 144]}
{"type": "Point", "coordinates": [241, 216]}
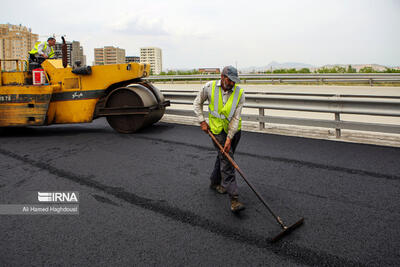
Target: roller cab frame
{"type": "Point", "coordinates": [117, 92]}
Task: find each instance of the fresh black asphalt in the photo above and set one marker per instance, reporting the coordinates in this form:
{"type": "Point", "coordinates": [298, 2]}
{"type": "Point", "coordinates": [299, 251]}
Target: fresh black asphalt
{"type": "Point", "coordinates": [144, 199]}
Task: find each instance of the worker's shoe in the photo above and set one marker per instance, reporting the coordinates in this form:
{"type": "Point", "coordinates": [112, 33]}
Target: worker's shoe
{"type": "Point", "coordinates": [236, 206]}
{"type": "Point", "coordinates": [219, 188]}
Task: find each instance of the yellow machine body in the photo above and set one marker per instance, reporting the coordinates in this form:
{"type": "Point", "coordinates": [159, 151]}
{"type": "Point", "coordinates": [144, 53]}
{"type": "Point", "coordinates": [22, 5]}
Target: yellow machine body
{"type": "Point", "coordinates": [67, 98]}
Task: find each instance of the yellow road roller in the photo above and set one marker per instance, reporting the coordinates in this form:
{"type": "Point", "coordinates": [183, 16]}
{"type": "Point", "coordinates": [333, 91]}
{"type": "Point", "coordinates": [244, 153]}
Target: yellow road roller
{"type": "Point", "coordinates": [53, 93]}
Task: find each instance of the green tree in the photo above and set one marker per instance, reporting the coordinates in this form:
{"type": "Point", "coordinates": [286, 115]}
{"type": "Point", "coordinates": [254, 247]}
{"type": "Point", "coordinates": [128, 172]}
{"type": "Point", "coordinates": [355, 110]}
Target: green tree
{"type": "Point", "coordinates": [389, 70]}
{"type": "Point", "coordinates": [304, 70]}
{"type": "Point", "coordinates": [350, 69]}
{"type": "Point", "coordinates": [323, 70]}
{"type": "Point", "coordinates": [171, 72]}
{"type": "Point", "coordinates": [278, 71]}
{"type": "Point", "coordinates": [367, 70]}
{"type": "Point", "coordinates": [335, 69]}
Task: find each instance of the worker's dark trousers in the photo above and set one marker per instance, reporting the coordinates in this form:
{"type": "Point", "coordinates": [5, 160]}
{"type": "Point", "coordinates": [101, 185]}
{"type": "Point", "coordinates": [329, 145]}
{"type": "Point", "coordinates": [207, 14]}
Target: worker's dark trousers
{"type": "Point", "coordinates": [224, 172]}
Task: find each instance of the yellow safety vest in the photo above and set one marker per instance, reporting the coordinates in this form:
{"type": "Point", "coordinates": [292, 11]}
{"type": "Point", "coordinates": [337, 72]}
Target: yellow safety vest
{"type": "Point", "coordinates": [220, 115]}
{"type": "Point", "coordinates": [35, 49]}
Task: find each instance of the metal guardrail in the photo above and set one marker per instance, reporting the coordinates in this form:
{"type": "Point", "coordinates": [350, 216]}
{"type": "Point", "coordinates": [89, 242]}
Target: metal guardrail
{"type": "Point", "coordinates": [370, 105]}
{"type": "Point", "coordinates": [289, 78]}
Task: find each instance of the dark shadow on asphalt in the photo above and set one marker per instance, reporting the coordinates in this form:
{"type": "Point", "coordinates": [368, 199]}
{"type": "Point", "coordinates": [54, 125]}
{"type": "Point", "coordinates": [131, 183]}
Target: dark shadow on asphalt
{"type": "Point", "coordinates": [156, 128]}
{"type": "Point", "coordinates": [46, 131]}
{"type": "Point", "coordinates": [76, 129]}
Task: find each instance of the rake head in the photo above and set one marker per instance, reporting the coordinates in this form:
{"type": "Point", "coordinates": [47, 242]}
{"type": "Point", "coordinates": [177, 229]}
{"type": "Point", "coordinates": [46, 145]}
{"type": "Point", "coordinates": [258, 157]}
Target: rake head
{"type": "Point", "coordinates": [287, 229]}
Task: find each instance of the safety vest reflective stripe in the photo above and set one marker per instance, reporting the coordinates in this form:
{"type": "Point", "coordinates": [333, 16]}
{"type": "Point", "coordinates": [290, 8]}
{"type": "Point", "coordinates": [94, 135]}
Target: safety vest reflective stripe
{"type": "Point", "coordinates": [216, 98]}
{"type": "Point", "coordinates": [234, 104]}
{"type": "Point", "coordinates": [215, 114]}
{"type": "Point", "coordinates": [216, 103]}
{"type": "Point", "coordinates": [51, 54]}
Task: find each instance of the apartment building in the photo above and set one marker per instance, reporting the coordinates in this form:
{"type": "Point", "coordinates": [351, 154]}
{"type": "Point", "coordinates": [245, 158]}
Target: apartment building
{"type": "Point", "coordinates": [152, 56]}
{"type": "Point", "coordinates": [109, 55]}
{"type": "Point", "coordinates": [74, 52]}
{"type": "Point", "coordinates": [15, 43]}
{"type": "Point", "coordinates": [82, 56]}
{"type": "Point", "coordinates": [132, 59]}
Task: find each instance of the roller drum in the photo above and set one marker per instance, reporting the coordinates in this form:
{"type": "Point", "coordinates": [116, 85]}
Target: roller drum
{"type": "Point", "coordinates": [137, 97]}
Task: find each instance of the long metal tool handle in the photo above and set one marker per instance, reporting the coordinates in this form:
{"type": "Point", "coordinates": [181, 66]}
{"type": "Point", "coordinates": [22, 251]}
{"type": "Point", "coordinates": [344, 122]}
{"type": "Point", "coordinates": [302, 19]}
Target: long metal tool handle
{"type": "Point", "coordinates": [278, 219]}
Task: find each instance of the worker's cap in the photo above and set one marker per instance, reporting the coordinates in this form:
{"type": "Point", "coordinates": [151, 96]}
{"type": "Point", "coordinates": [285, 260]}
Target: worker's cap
{"type": "Point", "coordinates": [232, 73]}
{"type": "Point", "coordinates": [50, 38]}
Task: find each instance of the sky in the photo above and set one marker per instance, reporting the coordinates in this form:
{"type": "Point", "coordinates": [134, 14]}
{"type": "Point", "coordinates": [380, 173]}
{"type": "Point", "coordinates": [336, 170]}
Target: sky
{"type": "Point", "coordinates": [196, 34]}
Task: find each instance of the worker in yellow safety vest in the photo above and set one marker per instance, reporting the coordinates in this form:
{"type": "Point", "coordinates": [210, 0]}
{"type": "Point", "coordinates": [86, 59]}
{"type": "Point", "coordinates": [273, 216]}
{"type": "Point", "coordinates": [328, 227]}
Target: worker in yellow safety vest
{"type": "Point", "coordinates": [43, 51]}
{"type": "Point", "coordinates": [226, 101]}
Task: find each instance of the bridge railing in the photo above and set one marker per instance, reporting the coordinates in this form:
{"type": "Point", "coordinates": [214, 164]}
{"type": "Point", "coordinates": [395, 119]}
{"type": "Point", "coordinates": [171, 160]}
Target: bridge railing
{"type": "Point", "coordinates": [368, 105]}
{"type": "Point", "coordinates": [290, 78]}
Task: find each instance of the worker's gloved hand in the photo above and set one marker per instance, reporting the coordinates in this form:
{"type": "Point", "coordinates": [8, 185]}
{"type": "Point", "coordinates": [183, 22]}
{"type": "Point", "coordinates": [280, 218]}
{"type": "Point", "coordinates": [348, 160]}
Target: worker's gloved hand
{"type": "Point", "coordinates": [204, 126]}
{"type": "Point", "coordinates": [227, 145]}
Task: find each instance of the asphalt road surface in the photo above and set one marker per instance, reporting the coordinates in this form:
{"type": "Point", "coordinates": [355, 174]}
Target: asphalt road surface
{"type": "Point", "coordinates": [144, 199]}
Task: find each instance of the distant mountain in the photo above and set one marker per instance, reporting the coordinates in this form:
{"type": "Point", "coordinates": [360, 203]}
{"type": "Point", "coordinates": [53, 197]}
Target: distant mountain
{"type": "Point", "coordinates": [276, 65]}
{"type": "Point", "coordinates": [288, 65]}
